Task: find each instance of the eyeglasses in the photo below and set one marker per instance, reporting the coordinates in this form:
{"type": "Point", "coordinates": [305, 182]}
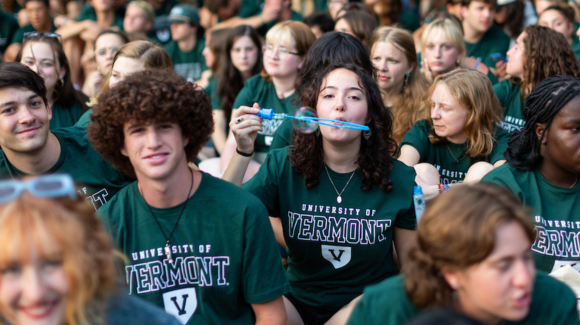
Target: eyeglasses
{"type": "Point", "coordinates": [281, 51]}
{"type": "Point", "coordinates": [39, 34]}
{"type": "Point", "coordinates": [102, 51]}
{"type": "Point", "coordinates": [48, 186]}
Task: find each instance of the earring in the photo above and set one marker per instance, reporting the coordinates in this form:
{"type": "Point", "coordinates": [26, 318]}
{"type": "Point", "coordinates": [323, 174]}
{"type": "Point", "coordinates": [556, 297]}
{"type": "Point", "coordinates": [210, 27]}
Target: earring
{"type": "Point", "coordinates": [367, 134]}
{"type": "Point", "coordinates": [458, 62]}
{"type": "Point", "coordinates": [406, 81]}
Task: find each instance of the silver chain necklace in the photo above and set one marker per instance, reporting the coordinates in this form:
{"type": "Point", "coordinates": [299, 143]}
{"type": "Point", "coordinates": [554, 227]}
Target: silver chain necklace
{"type": "Point", "coordinates": [339, 195]}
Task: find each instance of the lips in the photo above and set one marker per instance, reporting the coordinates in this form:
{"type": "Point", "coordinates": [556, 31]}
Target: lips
{"type": "Point", "coordinates": [156, 158]}
{"type": "Point", "coordinates": [384, 78]}
{"type": "Point", "coordinates": [28, 131]}
{"type": "Point", "coordinates": [524, 301]}
{"type": "Point", "coordinates": [39, 311]}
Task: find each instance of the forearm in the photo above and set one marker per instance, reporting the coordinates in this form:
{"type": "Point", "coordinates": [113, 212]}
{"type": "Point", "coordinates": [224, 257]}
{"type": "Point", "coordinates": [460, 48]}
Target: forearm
{"type": "Point", "coordinates": [236, 169]}
{"type": "Point", "coordinates": [71, 30]}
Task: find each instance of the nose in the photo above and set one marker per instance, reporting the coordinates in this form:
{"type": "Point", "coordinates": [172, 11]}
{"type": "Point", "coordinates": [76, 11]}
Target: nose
{"type": "Point", "coordinates": [110, 54]}
{"type": "Point", "coordinates": [510, 52]}
{"type": "Point", "coordinates": [34, 67]}
{"type": "Point", "coordinates": [274, 54]}
{"type": "Point", "coordinates": [153, 140]}
{"type": "Point", "coordinates": [35, 288]}
{"type": "Point", "coordinates": [339, 104]}
{"type": "Point", "coordinates": [578, 32]}
{"type": "Point", "coordinates": [438, 52]}
{"type": "Point", "coordinates": [524, 274]}
{"type": "Point", "coordinates": [25, 116]}
{"type": "Point", "coordinates": [435, 113]}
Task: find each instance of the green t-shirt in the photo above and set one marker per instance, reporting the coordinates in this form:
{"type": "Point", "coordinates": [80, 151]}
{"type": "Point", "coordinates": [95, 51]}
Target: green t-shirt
{"type": "Point", "coordinates": [257, 90]}
{"type": "Point", "coordinates": [283, 136]}
{"type": "Point", "coordinates": [409, 21]}
{"type": "Point", "coordinates": [189, 65]}
{"type": "Point", "coordinates": [493, 41]}
{"type": "Point", "coordinates": [224, 252]}
{"type": "Point", "coordinates": [97, 181]}
{"type": "Point", "coordinates": [555, 210]}
{"type": "Point", "coordinates": [8, 26]}
{"type": "Point", "coordinates": [63, 117]}
{"type": "Point", "coordinates": [19, 34]}
{"type": "Point", "coordinates": [553, 303]}
{"type": "Point", "coordinates": [250, 8]}
{"type": "Point", "coordinates": [334, 249]}
{"type": "Point", "coordinates": [510, 97]}
{"type": "Point", "coordinates": [88, 13]}
{"type": "Point", "coordinates": [212, 92]}
{"type": "Point", "coordinates": [85, 119]}
{"type": "Point", "coordinates": [449, 158]}
{"type": "Point", "coordinates": [266, 27]}
{"type": "Point", "coordinates": [576, 47]}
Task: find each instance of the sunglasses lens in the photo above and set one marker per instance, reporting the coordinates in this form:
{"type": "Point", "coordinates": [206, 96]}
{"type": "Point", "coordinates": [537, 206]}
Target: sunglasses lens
{"type": "Point", "coordinates": [7, 191]}
{"type": "Point", "coordinates": [45, 186]}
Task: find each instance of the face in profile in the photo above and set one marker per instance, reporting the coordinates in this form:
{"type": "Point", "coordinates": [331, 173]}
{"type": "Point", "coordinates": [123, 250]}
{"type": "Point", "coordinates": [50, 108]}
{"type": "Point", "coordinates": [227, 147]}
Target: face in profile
{"type": "Point", "coordinates": [448, 115]}
{"type": "Point", "coordinates": [516, 57]}
{"type": "Point", "coordinates": [124, 67]}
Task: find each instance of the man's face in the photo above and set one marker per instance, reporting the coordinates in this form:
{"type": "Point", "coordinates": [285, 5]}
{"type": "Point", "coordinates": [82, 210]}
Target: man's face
{"type": "Point", "coordinates": [478, 16]}
{"type": "Point", "coordinates": [181, 31]}
{"type": "Point", "coordinates": [135, 20]}
{"type": "Point", "coordinates": [37, 13]}
{"type": "Point", "coordinates": [24, 121]}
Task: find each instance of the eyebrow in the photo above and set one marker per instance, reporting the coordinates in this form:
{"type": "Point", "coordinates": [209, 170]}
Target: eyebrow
{"type": "Point", "coordinates": [15, 103]}
{"type": "Point", "coordinates": [350, 88]}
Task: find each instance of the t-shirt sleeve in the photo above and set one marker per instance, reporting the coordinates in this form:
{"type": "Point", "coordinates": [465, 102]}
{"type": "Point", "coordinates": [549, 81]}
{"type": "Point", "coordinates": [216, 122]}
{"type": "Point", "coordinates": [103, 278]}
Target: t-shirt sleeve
{"type": "Point", "coordinates": [18, 35]}
{"type": "Point", "coordinates": [502, 92]}
{"type": "Point", "coordinates": [264, 185]}
{"type": "Point", "coordinates": [499, 147]}
{"type": "Point", "coordinates": [85, 13]}
{"type": "Point", "coordinates": [283, 135]}
{"type": "Point", "coordinates": [418, 138]}
{"type": "Point", "coordinates": [263, 274]}
{"type": "Point", "coordinates": [504, 177]}
{"type": "Point", "coordinates": [405, 178]}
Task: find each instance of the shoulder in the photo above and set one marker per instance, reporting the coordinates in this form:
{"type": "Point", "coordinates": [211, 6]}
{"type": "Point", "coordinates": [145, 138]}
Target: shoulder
{"type": "Point", "coordinates": [121, 310]}
{"type": "Point", "coordinates": [73, 134]}
{"type": "Point", "coordinates": [553, 302]}
{"type": "Point", "coordinates": [170, 46]}
{"type": "Point", "coordinates": [497, 34]}
{"type": "Point", "coordinates": [418, 131]}
{"type": "Point", "coordinates": [506, 176]}
{"type": "Point", "coordinates": [118, 201]}
{"type": "Point", "coordinates": [391, 289]}
{"type": "Point", "coordinates": [403, 173]}
{"type": "Point", "coordinates": [255, 81]}
{"type": "Point", "coordinates": [505, 86]}
{"type": "Point", "coordinates": [216, 189]}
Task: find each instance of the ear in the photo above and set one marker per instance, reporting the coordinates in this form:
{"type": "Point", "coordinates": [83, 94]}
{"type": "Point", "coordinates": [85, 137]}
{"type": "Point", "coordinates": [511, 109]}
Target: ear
{"type": "Point", "coordinates": [301, 62]}
{"type": "Point", "coordinates": [463, 11]}
{"type": "Point", "coordinates": [411, 67]}
{"type": "Point", "coordinates": [540, 130]}
{"type": "Point", "coordinates": [185, 141]}
{"type": "Point", "coordinates": [452, 277]}
{"type": "Point", "coordinates": [124, 151]}
{"type": "Point", "coordinates": [49, 111]}
{"type": "Point", "coordinates": [62, 72]}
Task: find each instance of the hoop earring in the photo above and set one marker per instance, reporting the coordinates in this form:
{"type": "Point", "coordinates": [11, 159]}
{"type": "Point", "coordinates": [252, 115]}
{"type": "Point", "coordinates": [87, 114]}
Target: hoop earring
{"type": "Point", "coordinates": [406, 82]}
{"type": "Point", "coordinates": [367, 134]}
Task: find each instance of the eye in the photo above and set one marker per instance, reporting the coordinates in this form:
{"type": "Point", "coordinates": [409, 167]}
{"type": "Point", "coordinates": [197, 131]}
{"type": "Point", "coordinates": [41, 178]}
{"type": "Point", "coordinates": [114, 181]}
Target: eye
{"type": "Point", "coordinates": [10, 270]}
{"type": "Point", "coordinates": [430, 46]}
{"type": "Point", "coordinates": [101, 52]}
{"type": "Point", "coordinates": [8, 110]}
{"type": "Point", "coordinates": [376, 59]}
{"type": "Point", "coordinates": [283, 50]}
{"type": "Point", "coordinates": [35, 103]}
{"type": "Point", "coordinates": [269, 47]}
{"type": "Point", "coordinates": [49, 264]}
{"type": "Point", "coordinates": [447, 47]}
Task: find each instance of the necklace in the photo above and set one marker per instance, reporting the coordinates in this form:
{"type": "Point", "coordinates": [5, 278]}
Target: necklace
{"type": "Point", "coordinates": [576, 182]}
{"type": "Point", "coordinates": [167, 246]}
{"type": "Point", "coordinates": [339, 195]}
{"type": "Point", "coordinates": [452, 155]}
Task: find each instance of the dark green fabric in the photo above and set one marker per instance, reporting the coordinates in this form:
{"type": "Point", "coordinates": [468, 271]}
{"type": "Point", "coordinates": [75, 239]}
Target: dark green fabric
{"type": "Point", "coordinates": [85, 119]}
{"type": "Point", "coordinates": [409, 21]}
{"type": "Point", "coordinates": [250, 8]}
{"type": "Point", "coordinates": [165, 8]}
{"type": "Point", "coordinates": [189, 65]}
{"type": "Point", "coordinates": [224, 251]}
{"type": "Point", "coordinates": [257, 90]}
{"type": "Point", "coordinates": [266, 27]}
{"type": "Point", "coordinates": [510, 97]}
{"type": "Point", "coordinates": [212, 92]}
{"type": "Point", "coordinates": [63, 117]}
{"type": "Point", "coordinates": [553, 303]}
{"type": "Point", "coordinates": [555, 210]}
{"type": "Point", "coordinates": [334, 249]}
{"type": "Point", "coordinates": [8, 26]}
{"type": "Point", "coordinates": [576, 47]}
{"type": "Point", "coordinates": [449, 158]}
{"type": "Point", "coordinates": [89, 13]}
{"type": "Point", "coordinates": [19, 34]}
{"type": "Point", "coordinates": [97, 181]}
{"type": "Point", "coordinates": [493, 41]}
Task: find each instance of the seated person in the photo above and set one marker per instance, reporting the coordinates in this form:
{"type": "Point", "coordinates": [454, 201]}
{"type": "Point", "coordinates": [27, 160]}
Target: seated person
{"type": "Point", "coordinates": [472, 254]}
{"type": "Point", "coordinates": [140, 19]}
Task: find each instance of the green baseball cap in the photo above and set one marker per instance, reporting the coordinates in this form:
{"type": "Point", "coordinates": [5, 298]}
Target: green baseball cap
{"type": "Point", "coordinates": [184, 13]}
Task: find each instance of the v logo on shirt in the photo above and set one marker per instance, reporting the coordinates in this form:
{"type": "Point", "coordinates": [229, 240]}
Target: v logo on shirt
{"type": "Point", "coordinates": [339, 256]}
{"type": "Point", "coordinates": [181, 303]}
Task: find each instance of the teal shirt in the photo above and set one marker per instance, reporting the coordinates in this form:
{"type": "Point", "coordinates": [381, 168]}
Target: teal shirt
{"type": "Point", "coordinates": [493, 41]}
{"type": "Point", "coordinates": [85, 119]}
{"type": "Point", "coordinates": [63, 117]}
{"type": "Point", "coordinates": [409, 21]}
{"type": "Point", "coordinates": [212, 92]}
{"type": "Point", "coordinates": [8, 26]}
{"type": "Point", "coordinates": [576, 47]}
{"type": "Point", "coordinates": [266, 27]}
{"type": "Point", "coordinates": [510, 97]}
{"type": "Point", "coordinates": [19, 34]}
{"type": "Point", "coordinates": [89, 13]}
{"type": "Point", "coordinates": [188, 65]}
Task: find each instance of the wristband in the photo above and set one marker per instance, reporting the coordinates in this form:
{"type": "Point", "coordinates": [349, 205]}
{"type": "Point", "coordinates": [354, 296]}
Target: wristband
{"type": "Point", "coordinates": [443, 188]}
{"type": "Point", "coordinates": [477, 64]}
{"type": "Point", "coordinates": [243, 154]}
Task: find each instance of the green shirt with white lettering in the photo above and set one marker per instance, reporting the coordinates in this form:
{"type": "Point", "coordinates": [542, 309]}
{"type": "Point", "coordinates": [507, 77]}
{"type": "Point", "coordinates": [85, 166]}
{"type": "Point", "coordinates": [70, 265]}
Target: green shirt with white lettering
{"type": "Point", "coordinates": [336, 247]}
{"type": "Point", "coordinates": [96, 180]}
{"type": "Point", "coordinates": [8, 26]}
{"type": "Point", "coordinates": [449, 158]}
{"type": "Point", "coordinates": [555, 211]}
{"type": "Point", "coordinates": [223, 249]}
{"type": "Point", "coordinates": [258, 90]}
{"type": "Point", "coordinates": [188, 65]}
{"type": "Point", "coordinates": [493, 41]}
{"type": "Point", "coordinates": [510, 97]}
{"type": "Point", "coordinates": [387, 303]}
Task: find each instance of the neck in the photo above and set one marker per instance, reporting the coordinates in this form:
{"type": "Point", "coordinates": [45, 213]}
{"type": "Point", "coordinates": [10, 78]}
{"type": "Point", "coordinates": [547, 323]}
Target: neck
{"type": "Point", "coordinates": [45, 28]}
{"type": "Point", "coordinates": [106, 18]}
{"type": "Point", "coordinates": [285, 14]}
{"type": "Point", "coordinates": [473, 312]}
{"type": "Point", "coordinates": [284, 86]}
{"type": "Point", "coordinates": [391, 94]}
{"type": "Point", "coordinates": [37, 162]}
{"type": "Point", "coordinates": [188, 44]}
{"type": "Point", "coordinates": [458, 139]}
{"type": "Point", "coordinates": [169, 192]}
{"type": "Point", "coordinates": [49, 97]}
{"type": "Point", "coordinates": [470, 35]}
{"type": "Point", "coordinates": [341, 157]}
{"type": "Point", "coordinates": [557, 176]}
{"type": "Point", "coordinates": [246, 75]}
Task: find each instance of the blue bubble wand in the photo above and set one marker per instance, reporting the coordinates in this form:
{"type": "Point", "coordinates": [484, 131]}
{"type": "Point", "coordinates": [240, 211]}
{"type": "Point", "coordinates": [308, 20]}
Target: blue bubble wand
{"type": "Point", "coordinates": [268, 114]}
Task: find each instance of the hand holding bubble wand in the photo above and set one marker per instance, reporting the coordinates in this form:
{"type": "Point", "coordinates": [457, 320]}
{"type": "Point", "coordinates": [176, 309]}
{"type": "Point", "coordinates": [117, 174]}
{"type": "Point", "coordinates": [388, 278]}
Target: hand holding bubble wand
{"type": "Point", "coordinates": [307, 121]}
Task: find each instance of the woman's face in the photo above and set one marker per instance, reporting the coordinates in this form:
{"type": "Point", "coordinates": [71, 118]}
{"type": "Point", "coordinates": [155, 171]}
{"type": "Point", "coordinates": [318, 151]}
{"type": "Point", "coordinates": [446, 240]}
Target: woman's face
{"type": "Point", "coordinates": [106, 47]}
{"type": "Point", "coordinates": [343, 98]}
{"type": "Point", "coordinates": [449, 117]}
{"type": "Point", "coordinates": [34, 292]}
{"type": "Point", "coordinates": [244, 54]}
{"type": "Point", "coordinates": [334, 7]}
{"type": "Point", "coordinates": [40, 58]}
{"type": "Point", "coordinates": [207, 53]}
{"type": "Point", "coordinates": [124, 67]}
{"type": "Point", "coordinates": [517, 58]}
{"type": "Point", "coordinates": [281, 60]}
{"type": "Point", "coordinates": [556, 21]}
{"type": "Point", "coordinates": [499, 287]}
{"type": "Point", "coordinates": [439, 52]}
{"type": "Point", "coordinates": [392, 65]}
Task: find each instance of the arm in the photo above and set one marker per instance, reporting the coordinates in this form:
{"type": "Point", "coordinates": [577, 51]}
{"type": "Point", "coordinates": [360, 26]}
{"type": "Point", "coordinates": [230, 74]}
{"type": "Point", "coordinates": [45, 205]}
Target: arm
{"type": "Point", "coordinates": [403, 239]}
{"type": "Point", "coordinates": [269, 13]}
{"type": "Point", "coordinates": [219, 133]}
{"type": "Point", "coordinates": [409, 155]}
{"type": "Point", "coordinates": [11, 52]}
{"type": "Point", "coordinates": [73, 29]}
{"type": "Point", "coordinates": [278, 231]}
{"type": "Point", "coordinates": [272, 312]}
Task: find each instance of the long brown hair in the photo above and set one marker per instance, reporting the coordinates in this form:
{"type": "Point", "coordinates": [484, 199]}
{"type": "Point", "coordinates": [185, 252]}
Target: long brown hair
{"type": "Point", "coordinates": [457, 231]}
{"type": "Point", "coordinates": [408, 105]}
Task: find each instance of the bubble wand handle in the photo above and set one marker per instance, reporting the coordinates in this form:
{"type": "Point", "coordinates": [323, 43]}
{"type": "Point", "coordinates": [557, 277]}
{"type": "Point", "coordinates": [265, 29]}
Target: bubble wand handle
{"type": "Point", "coordinates": [268, 114]}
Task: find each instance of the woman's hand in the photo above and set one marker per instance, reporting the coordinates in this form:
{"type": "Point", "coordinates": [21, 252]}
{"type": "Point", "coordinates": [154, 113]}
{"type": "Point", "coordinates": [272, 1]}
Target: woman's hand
{"type": "Point", "coordinates": [245, 126]}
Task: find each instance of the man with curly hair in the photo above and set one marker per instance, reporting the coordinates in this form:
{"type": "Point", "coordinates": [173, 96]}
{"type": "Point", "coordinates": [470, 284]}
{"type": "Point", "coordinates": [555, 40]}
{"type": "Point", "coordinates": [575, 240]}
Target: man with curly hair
{"type": "Point", "coordinates": [30, 148]}
{"type": "Point", "coordinates": [198, 246]}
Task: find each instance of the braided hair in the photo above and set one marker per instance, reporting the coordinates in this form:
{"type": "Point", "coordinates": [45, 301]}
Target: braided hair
{"type": "Point", "coordinates": [543, 103]}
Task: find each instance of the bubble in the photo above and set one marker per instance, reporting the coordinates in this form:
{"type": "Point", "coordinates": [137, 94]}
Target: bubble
{"type": "Point", "coordinates": [302, 123]}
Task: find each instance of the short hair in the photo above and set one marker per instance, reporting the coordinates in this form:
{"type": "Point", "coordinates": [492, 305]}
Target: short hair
{"type": "Point", "coordinates": [14, 74]}
{"type": "Point", "coordinates": [152, 96]}
{"type": "Point", "coordinates": [46, 2]}
{"type": "Point", "coordinates": [71, 227]}
{"type": "Point", "coordinates": [292, 33]}
{"type": "Point", "coordinates": [122, 35]}
{"type": "Point", "coordinates": [451, 31]}
{"type": "Point", "coordinates": [361, 24]}
{"type": "Point", "coordinates": [564, 9]}
{"type": "Point", "coordinates": [472, 90]}
{"type": "Point", "coordinates": [466, 3]}
{"type": "Point", "coordinates": [147, 8]}
{"type": "Point", "coordinates": [479, 210]}
{"type": "Point", "coordinates": [542, 105]}
{"type": "Point", "coordinates": [322, 20]}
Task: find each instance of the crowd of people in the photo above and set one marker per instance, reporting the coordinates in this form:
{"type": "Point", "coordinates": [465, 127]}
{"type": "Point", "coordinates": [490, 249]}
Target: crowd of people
{"type": "Point", "coordinates": [160, 163]}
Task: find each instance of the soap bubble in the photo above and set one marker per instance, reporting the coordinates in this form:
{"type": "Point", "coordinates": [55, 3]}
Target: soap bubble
{"type": "Point", "coordinates": [302, 122]}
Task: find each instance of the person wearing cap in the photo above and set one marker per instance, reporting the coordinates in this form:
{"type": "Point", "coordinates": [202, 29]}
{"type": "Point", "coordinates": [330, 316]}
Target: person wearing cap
{"type": "Point", "coordinates": [40, 21]}
{"type": "Point", "coordinates": [187, 42]}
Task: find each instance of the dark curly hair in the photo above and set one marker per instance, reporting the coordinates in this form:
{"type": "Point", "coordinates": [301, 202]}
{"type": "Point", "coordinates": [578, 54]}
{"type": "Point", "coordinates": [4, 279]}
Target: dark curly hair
{"type": "Point", "coordinates": [149, 96]}
{"type": "Point", "coordinates": [544, 102]}
{"type": "Point", "coordinates": [376, 154]}
{"type": "Point", "coordinates": [547, 54]}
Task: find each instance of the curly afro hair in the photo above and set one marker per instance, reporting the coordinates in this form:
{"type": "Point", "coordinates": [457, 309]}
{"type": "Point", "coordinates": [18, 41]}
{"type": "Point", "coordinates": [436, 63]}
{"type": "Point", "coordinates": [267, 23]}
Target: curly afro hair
{"type": "Point", "coordinates": [154, 96]}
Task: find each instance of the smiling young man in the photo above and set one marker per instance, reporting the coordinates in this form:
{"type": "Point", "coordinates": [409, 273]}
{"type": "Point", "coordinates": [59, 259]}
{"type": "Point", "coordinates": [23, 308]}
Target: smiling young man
{"type": "Point", "coordinates": [30, 148]}
{"type": "Point", "coordinates": [199, 247]}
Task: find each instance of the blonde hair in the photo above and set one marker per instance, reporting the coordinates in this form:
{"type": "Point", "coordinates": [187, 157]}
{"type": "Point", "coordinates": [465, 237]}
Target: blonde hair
{"type": "Point", "coordinates": [451, 31]}
{"type": "Point", "coordinates": [473, 91]}
{"type": "Point", "coordinates": [147, 9]}
{"type": "Point", "coordinates": [72, 229]}
{"type": "Point", "coordinates": [408, 105]}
